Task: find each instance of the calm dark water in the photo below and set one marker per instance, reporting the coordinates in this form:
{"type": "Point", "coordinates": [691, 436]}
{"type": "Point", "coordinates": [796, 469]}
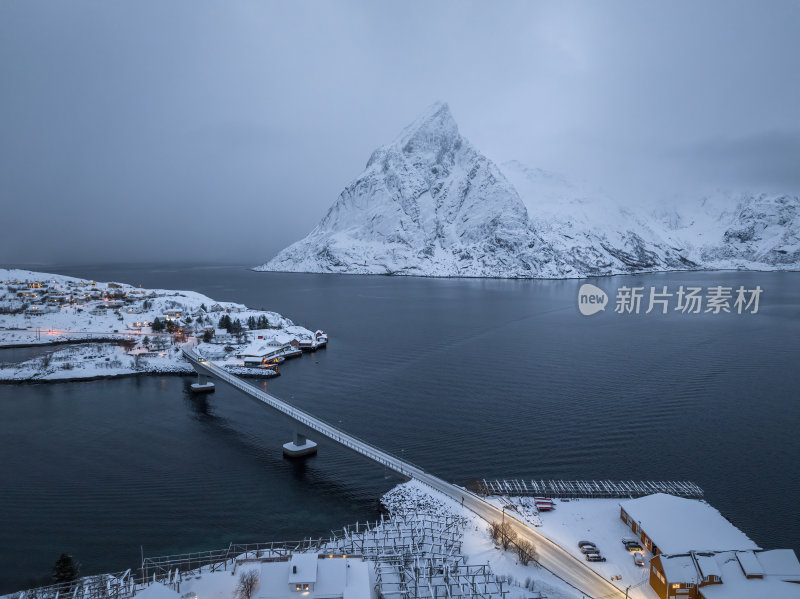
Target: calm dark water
{"type": "Point", "coordinates": [467, 378]}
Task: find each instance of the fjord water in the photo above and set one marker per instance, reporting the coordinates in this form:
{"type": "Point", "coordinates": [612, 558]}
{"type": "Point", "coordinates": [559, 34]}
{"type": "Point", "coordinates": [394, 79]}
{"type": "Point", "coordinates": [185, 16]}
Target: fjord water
{"type": "Point", "coordinates": [466, 378]}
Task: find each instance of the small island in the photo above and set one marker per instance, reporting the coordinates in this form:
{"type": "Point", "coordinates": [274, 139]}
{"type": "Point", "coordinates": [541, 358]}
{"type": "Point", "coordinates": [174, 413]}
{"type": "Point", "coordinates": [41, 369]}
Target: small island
{"type": "Point", "coordinates": [114, 329]}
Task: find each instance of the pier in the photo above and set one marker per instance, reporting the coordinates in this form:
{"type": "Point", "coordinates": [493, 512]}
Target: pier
{"type": "Point", "coordinates": [588, 489]}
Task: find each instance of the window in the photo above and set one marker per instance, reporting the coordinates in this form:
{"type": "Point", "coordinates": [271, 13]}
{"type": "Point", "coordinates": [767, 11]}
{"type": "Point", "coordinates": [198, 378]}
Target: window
{"type": "Point", "coordinates": [305, 587]}
{"type": "Point", "coordinates": [297, 587]}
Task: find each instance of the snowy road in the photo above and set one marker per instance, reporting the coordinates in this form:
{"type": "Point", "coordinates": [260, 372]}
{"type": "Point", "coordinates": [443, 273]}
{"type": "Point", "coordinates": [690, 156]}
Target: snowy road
{"type": "Point", "coordinates": [550, 555]}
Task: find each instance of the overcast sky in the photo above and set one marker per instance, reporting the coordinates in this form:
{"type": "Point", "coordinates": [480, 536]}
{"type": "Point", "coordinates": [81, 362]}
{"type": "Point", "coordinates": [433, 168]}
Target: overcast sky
{"type": "Point", "coordinates": [222, 131]}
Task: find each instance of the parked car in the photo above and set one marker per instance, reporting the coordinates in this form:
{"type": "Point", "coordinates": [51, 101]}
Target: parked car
{"type": "Point", "coordinates": [631, 544]}
{"type": "Point", "coordinates": [595, 557]}
{"type": "Point", "coordinates": [584, 543]}
{"type": "Point", "coordinates": [589, 549]}
{"type": "Point", "coordinates": [638, 559]}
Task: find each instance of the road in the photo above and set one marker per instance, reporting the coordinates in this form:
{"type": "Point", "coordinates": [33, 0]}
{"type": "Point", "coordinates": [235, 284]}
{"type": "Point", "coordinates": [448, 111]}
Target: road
{"type": "Point", "coordinates": [549, 555]}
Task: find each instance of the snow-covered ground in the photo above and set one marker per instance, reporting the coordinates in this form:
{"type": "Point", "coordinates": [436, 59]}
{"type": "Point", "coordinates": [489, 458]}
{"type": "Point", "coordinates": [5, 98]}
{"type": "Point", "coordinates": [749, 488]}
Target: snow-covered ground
{"type": "Point", "coordinates": [595, 520]}
{"type": "Point", "coordinates": [40, 309]}
{"type": "Point", "coordinates": [477, 545]}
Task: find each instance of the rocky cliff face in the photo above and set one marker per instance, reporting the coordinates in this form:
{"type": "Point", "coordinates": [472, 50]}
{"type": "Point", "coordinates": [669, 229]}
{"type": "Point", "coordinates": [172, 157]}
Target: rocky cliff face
{"type": "Point", "coordinates": [430, 204]}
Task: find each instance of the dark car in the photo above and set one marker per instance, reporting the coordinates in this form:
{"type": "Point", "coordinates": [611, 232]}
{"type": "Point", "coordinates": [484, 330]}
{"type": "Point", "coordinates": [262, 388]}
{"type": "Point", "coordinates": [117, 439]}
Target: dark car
{"type": "Point", "coordinates": [633, 547]}
{"type": "Point", "coordinates": [584, 543]}
{"type": "Point", "coordinates": [595, 557]}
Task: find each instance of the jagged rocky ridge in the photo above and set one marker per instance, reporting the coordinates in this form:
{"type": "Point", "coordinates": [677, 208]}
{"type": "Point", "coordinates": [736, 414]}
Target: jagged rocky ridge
{"type": "Point", "coordinates": [430, 204]}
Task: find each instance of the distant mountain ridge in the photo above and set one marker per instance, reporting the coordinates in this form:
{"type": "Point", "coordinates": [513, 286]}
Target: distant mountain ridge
{"type": "Point", "coordinates": [430, 204]}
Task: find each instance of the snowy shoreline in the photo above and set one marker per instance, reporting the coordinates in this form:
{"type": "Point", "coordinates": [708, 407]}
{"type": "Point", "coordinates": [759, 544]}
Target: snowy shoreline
{"type": "Point", "coordinates": [110, 330]}
{"type": "Point", "coordinates": [262, 268]}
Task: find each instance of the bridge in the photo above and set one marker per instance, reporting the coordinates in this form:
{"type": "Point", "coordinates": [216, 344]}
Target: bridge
{"type": "Point", "coordinates": [550, 556]}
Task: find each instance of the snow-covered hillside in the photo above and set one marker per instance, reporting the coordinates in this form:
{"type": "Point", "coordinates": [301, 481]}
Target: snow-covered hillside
{"type": "Point", "coordinates": [737, 230]}
{"type": "Point", "coordinates": [430, 204]}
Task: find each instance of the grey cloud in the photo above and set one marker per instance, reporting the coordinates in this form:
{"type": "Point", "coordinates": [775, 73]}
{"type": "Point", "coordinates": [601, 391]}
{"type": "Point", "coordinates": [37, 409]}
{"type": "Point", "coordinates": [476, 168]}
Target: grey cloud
{"type": "Point", "coordinates": [211, 130]}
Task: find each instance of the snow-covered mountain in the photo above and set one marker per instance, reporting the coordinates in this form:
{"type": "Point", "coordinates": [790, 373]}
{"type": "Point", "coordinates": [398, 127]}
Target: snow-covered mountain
{"type": "Point", "coordinates": [737, 230]}
{"type": "Point", "coordinates": [427, 204]}
{"type": "Point", "coordinates": [430, 204]}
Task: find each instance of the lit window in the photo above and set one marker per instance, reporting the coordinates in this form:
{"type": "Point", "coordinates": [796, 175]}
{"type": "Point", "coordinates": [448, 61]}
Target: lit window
{"type": "Point", "coordinates": [298, 587]}
{"type": "Point", "coordinates": [305, 587]}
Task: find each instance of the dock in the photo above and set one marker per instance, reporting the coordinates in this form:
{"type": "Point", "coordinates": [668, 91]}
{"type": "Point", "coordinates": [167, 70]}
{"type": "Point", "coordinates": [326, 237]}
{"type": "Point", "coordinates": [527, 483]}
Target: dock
{"type": "Point", "coordinates": [588, 489]}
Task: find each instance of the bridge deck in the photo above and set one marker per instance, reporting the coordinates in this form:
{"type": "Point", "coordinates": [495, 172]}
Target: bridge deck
{"type": "Point", "coordinates": [331, 432]}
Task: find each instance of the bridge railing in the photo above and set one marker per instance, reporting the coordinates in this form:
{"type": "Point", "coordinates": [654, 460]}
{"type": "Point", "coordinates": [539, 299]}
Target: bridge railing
{"type": "Point", "coordinates": [348, 440]}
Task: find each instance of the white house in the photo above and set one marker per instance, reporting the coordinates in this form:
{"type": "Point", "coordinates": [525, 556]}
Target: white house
{"type": "Point", "coordinates": [300, 576]}
{"type": "Point", "coordinates": [308, 575]}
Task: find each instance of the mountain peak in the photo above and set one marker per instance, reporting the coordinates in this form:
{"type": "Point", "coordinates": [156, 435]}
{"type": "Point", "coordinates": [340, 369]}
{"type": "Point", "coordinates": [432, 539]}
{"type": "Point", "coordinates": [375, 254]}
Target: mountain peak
{"type": "Point", "coordinates": [434, 125]}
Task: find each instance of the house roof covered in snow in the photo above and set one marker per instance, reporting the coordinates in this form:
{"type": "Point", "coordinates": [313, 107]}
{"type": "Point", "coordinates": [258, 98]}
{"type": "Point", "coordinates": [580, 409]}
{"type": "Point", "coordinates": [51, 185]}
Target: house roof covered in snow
{"type": "Point", "coordinates": [679, 525]}
{"type": "Point", "coordinates": [158, 591]}
{"type": "Point", "coordinates": [679, 568]}
{"type": "Point", "coordinates": [775, 564]}
{"type": "Point", "coordinates": [334, 577]}
{"type": "Point", "coordinates": [303, 567]}
{"type": "Point", "coordinates": [282, 339]}
{"type": "Point", "coordinates": [780, 579]}
{"type": "Point", "coordinates": [708, 565]}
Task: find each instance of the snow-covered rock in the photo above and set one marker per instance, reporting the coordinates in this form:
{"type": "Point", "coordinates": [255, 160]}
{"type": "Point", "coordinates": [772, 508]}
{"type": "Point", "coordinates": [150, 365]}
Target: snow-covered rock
{"type": "Point", "coordinates": [430, 204]}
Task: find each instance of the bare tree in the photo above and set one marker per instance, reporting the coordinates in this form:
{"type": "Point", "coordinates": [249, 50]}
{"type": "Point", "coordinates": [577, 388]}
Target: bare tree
{"type": "Point", "coordinates": [526, 552]}
{"type": "Point", "coordinates": [248, 581]}
{"type": "Point", "coordinates": [502, 533]}
{"type": "Point", "coordinates": [494, 531]}
{"type": "Point", "coordinates": [507, 535]}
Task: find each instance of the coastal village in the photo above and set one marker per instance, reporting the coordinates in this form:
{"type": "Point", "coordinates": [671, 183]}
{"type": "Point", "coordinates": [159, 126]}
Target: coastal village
{"type": "Point", "coordinates": [115, 329]}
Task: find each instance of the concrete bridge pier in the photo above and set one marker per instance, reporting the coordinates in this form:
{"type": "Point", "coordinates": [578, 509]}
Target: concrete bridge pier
{"type": "Point", "coordinates": [203, 385]}
{"type": "Point", "coordinates": [300, 447]}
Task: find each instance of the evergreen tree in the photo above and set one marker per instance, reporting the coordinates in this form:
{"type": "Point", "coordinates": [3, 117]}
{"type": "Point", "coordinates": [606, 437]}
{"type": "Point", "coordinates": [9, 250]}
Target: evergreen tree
{"type": "Point", "coordinates": [203, 308]}
{"type": "Point", "coordinates": [251, 323]}
{"type": "Point", "coordinates": [207, 336]}
{"type": "Point", "coordinates": [225, 323]}
{"type": "Point", "coordinates": [158, 325]}
{"type": "Point", "coordinates": [146, 341]}
{"type": "Point", "coordinates": [66, 569]}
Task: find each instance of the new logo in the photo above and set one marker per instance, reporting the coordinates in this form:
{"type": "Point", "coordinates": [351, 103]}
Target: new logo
{"type": "Point", "coordinates": [591, 299]}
